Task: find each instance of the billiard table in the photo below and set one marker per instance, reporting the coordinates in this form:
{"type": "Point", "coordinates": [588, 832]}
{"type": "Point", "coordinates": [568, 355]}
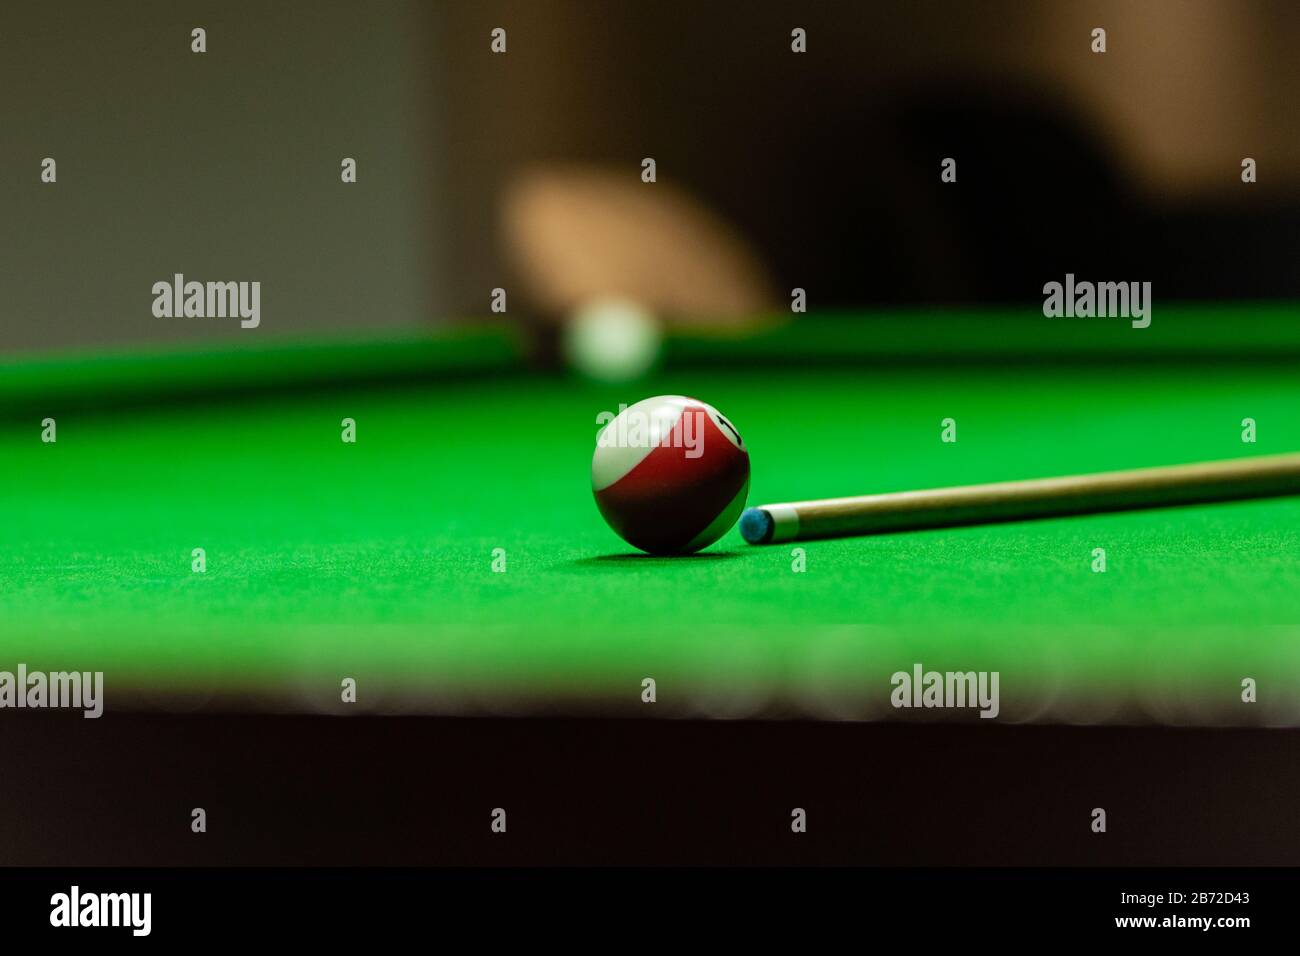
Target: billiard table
{"type": "Point", "coordinates": [451, 559]}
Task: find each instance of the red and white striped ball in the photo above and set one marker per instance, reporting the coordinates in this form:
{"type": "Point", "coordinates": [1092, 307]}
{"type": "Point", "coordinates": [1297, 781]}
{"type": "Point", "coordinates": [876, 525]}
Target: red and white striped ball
{"type": "Point", "coordinates": [670, 474]}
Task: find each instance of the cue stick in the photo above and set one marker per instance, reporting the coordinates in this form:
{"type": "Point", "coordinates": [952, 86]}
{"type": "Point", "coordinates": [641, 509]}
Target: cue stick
{"type": "Point", "coordinates": [1261, 477]}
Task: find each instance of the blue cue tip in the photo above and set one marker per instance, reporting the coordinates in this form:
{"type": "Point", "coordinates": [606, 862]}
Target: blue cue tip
{"type": "Point", "coordinates": [756, 526]}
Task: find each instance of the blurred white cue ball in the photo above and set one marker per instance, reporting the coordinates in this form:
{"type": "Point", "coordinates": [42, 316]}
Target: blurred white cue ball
{"type": "Point", "coordinates": [612, 340]}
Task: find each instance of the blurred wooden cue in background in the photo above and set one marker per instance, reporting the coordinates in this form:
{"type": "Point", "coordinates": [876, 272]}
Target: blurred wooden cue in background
{"type": "Point", "coordinates": [1260, 477]}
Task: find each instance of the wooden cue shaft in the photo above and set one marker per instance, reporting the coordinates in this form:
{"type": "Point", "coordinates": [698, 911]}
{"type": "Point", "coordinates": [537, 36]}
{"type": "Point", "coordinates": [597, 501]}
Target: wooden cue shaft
{"type": "Point", "coordinates": [1261, 477]}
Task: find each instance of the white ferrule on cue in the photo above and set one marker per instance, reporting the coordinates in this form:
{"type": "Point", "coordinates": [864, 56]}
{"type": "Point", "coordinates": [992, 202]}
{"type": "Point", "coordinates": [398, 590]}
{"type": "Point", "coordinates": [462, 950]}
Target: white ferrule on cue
{"type": "Point", "coordinates": [1205, 482]}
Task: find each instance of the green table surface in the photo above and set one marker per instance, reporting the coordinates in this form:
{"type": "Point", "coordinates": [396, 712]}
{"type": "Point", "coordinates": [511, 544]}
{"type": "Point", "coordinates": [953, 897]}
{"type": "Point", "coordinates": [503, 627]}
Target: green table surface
{"type": "Point", "coordinates": [373, 560]}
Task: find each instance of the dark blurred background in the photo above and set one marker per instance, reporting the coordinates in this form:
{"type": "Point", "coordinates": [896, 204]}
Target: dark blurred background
{"type": "Point", "coordinates": [1124, 165]}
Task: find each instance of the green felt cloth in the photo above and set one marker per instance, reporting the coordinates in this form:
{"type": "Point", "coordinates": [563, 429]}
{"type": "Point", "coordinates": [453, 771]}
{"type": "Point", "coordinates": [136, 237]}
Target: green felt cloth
{"type": "Point", "coordinates": [374, 560]}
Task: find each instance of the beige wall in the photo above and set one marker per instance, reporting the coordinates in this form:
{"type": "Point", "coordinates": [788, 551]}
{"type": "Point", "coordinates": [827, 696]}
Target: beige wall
{"type": "Point", "coordinates": [223, 165]}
